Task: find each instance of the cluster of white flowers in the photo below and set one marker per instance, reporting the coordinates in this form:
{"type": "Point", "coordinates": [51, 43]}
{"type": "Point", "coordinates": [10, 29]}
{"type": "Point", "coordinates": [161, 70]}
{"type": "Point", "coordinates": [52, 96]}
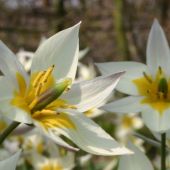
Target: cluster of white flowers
{"type": "Point", "coordinates": [47, 96]}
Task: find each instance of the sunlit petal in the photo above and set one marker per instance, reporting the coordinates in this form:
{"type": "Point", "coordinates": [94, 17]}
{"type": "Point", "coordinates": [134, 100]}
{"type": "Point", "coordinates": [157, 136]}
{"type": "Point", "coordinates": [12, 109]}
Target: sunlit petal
{"type": "Point", "coordinates": [132, 70]}
{"type": "Point", "coordinates": [89, 136]}
{"type": "Point", "coordinates": [90, 94]}
{"type": "Point", "coordinates": [158, 53]}
{"type": "Point", "coordinates": [61, 50]}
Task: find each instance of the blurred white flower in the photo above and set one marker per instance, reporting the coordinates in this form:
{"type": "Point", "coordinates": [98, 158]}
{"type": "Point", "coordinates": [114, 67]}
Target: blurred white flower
{"type": "Point", "coordinates": [58, 159]}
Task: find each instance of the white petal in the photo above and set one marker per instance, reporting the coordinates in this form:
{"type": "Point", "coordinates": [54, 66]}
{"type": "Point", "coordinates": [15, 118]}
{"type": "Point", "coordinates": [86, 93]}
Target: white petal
{"type": "Point", "coordinates": [132, 70]}
{"type": "Point", "coordinates": [90, 137]}
{"type": "Point", "coordinates": [155, 121]}
{"type": "Point", "coordinates": [14, 113]}
{"type": "Point", "coordinates": [137, 161]}
{"type": "Point", "coordinates": [9, 64]}
{"type": "Point", "coordinates": [60, 50]}
{"type": "Point", "coordinates": [54, 135]}
{"type": "Point", "coordinates": [6, 88]}
{"type": "Point", "coordinates": [90, 94]}
{"type": "Point", "coordinates": [125, 105]}
{"type": "Point", "coordinates": [10, 163]}
{"type": "Point", "coordinates": [158, 53]}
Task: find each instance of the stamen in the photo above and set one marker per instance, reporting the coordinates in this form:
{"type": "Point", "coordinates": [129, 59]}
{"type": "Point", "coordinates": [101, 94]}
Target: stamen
{"type": "Point", "coordinates": [38, 89]}
{"type": "Point", "coordinates": [33, 103]}
{"type": "Point", "coordinates": [46, 111]}
{"type": "Point", "coordinates": [38, 78]}
{"type": "Point", "coordinates": [147, 77]}
{"type": "Point", "coordinates": [47, 74]}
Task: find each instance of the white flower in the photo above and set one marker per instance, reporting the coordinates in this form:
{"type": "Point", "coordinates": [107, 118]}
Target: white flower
{"type": "Point", "coordinates": [125, 127]}
{"type": "Point", "coordinates": [148, 85]}
{"type": "Point", "coordinates": [50, 101]}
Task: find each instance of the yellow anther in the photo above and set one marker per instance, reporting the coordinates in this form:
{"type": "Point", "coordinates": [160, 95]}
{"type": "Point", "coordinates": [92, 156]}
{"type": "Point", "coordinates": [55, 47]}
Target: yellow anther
{"type": "Point", "coordinates": [38, 89]}
{"type": "Point", "coordinates": [33, 103]}
{"type": "Point", "coordinates": [38, 78]}
{"type": "Point", "coordinates": [49, 112]}
{"type": "Point", "coordinates": [47, 74]}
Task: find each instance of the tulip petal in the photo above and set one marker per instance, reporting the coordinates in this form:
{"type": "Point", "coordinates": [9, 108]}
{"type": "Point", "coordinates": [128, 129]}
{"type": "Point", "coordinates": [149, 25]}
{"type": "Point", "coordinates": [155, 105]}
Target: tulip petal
{"type": "Point", "coordinates": [132, 70]}
{"type": "Point", "coordinates": [14, 113]}
{"type": "Point", "coordinates": [61, 50]}
{"type": "Point", "coordinates": [90, 94]}
{"type": "Point", "coordinates": [10, 163]}
{"type": "Point", "coordinates": [137, 161]}
{"type": "Point", "coordinates": [158, 53]}
{"type": "Point", "coordinates": [125, 105]}
{"type": "Point", "coordinates": [6, 88]}
{"type": "Point", "coordinates": [9, 64]}
{"type": "Point", "coordinates": [88, 136]}
{"type": "Point", "coordinates": [158, 122]}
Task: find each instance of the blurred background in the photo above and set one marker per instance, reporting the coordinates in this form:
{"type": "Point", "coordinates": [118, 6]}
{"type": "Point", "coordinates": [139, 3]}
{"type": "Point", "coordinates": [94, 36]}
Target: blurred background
{"type": "Point", "coordinates": [111, 30]}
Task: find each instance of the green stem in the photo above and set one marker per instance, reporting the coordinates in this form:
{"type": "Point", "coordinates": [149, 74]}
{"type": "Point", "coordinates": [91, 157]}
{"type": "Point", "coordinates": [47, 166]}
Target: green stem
{"type": "Point", "coordinates": [8, 130]}
{"type": "Point", "coordinates": [163, 151]}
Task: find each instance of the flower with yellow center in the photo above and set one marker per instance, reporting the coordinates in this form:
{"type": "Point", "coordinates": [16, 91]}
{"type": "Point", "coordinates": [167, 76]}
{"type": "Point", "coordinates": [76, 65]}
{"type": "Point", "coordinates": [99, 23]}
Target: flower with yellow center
{"type": "Point", "coordinates": [48, 100]}
{"type": "Point", "coordinates": [148, 85]}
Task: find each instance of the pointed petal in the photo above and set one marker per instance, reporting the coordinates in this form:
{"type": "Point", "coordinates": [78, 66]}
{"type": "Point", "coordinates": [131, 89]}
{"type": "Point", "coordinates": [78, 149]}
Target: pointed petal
{"type": "Point", "coordinates": [89, 136]}
{"type": "Point", "coordinates": [137, 161]}
{"type": "Point", "coordinates": [132, 70]}
{"type": "Point", "coordinates": [10, 163]}
{"type": "Point", "coordinates": [90, 94]}
{"type": "Point", "coordinates": [9, 64]}
{"type": "Point", "coordinates": [125, 105]}
{"type": "Point", "coordinates": [155, 121]}
{"type": "Point", "coordinates": [61, 50]}
{"type": "Point", "coordinates": [158, 53]}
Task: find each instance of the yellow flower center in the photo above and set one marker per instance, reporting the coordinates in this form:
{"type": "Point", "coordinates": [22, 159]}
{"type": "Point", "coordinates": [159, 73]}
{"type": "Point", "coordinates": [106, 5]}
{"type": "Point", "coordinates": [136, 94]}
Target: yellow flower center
{"type": "Point", "coordinates": [39, 99]}
{"type": "Point", "coordinates": [51, 165]}
{"type": "Point", "coordinates": [156, 91]}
